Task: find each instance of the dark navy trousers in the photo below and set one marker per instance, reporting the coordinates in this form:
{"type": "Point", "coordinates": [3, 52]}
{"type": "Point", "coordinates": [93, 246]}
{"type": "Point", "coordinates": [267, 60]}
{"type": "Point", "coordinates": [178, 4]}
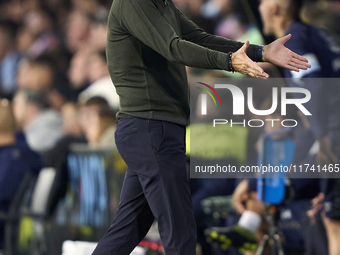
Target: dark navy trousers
{"type": "Point", "coordinates": [156, 186]}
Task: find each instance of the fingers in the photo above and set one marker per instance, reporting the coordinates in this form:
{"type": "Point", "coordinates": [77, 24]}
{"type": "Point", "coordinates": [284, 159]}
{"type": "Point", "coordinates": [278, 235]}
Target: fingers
{"type": "Point", "coordinates": [318, 199]}
{"type": "Point", "coordinates": [298, 57]}
{"type": "Point", "coordinates": [310, 214]}
{"type": "Point", "coordinates": [245, 46]}
{"type": "Point", "coordinates": [299, 64]}
{"type": "Point", "coordinates": [280, 55]}
{"type": "Point", "coordinates": [257, 71]}
{"type": "Point", "coordinates": [286, 38]}
{"type": "Point", "coordinates": [244, 65]}
{"type": "Point", "coordinates": [316, 206]}
{"type": "Point", "coordinates": [258, 75]}
{"type": "Point", "coordinates": [253, 70]}
{"type": "Point", "coordinates": [321, 196]}
{"type": "Point", "coordinates": [291, 67]}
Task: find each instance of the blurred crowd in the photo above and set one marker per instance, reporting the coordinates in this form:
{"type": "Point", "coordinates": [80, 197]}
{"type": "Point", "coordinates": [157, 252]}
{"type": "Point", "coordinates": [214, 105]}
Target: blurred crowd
{"type": "Point", "coordinates": [55, 88]}
{"type": "Point", "coordinates": [52, 56]}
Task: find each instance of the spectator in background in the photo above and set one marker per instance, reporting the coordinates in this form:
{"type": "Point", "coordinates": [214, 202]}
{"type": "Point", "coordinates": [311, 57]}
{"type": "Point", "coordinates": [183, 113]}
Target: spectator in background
{"type": "Point", "coordinates": [73, 30]}
{"type": "Point", "coordinates": [101, 83]}
{"type": "Point", "coordinates": [24, 40]}
{"type": "Point", "coordinates": [40, 123]}
{"type": "Point", "coordinates": [9, 58]}
{"type": "Point", "coordinates": [195, 9]}
{"type": "Point", "coordinates": [39, 23]}
{"type": "Point", "coordinates": [70, 113]}
{"type": "Point", "coordinates": [60, 93]}
{"type": "Point", "coordinates": [98, 29]}
{"type": "Point", "coordinates": [98, 122]}
{"type": "Point", "coordinates": [56, 157]}
{"type": "Point", "coordinates": [238, 25]}
{"type": "Point", "coordinates": [41, 74]}
{"type": "Point", "coordinates": [85, 6]}
{"type": "Point", "coordinates": [213, 9]}
{"type": "Point", "coordinates": [35, 74]}
{"type": "Point", "coordinates": [323, 125]}
{"type": "Point", "coordinates": [77, 31]}
{"type": "Point", "coordinates": [77, 73]}
{"type": "Point", "coordinates": [16, 160]}
{"type": "Point", "coordinates": [13, 10]}
{"type": "Point", "coordinates": [299, 193]}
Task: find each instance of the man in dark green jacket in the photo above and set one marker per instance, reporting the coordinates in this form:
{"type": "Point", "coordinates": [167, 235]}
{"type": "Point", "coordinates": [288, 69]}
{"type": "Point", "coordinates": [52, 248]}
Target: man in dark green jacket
{"type": "Point", "coordinates": [149, 43]}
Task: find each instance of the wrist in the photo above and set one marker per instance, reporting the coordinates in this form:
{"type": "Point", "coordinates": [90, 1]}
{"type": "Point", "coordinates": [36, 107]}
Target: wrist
{"type": "Point", "coordinates": [230, 62]}
{"type": "Point", "coordinates": [259, 53]}
{"type": "Point", "coordinates": [264, 51]}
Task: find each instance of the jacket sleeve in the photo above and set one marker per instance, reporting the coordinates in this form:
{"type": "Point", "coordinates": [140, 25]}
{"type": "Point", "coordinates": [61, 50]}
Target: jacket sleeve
{"type": "Point", "coordinates": [191, 32]}
{"type": "Point", "coordinates": [144, 21]}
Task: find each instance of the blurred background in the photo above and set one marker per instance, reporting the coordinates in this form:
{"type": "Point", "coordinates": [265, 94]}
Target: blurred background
{"type": "Point", "coordinates": [60, 173]}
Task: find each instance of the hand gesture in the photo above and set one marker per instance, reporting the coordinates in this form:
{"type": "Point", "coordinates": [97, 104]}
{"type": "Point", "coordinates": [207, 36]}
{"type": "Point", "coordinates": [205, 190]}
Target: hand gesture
{"type": "Point", "coordinates": [277, 54]}
{"type": "Point", "coordinates": [244, 65]}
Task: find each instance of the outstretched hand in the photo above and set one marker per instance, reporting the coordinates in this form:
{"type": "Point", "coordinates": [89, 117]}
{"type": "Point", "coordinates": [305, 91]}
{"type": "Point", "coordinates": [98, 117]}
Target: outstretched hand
{"type": "Point", "coordinates": [276, 53]}
{"type": "Point", "coordinates": [244, 65]}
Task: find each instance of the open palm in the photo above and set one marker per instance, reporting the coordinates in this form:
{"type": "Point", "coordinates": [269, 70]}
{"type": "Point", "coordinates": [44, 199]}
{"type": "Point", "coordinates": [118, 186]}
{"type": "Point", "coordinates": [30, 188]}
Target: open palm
{"type": "Point", "coordinates": [244, 65]}
{"type": "Point", "coordinates": [276, 53]}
